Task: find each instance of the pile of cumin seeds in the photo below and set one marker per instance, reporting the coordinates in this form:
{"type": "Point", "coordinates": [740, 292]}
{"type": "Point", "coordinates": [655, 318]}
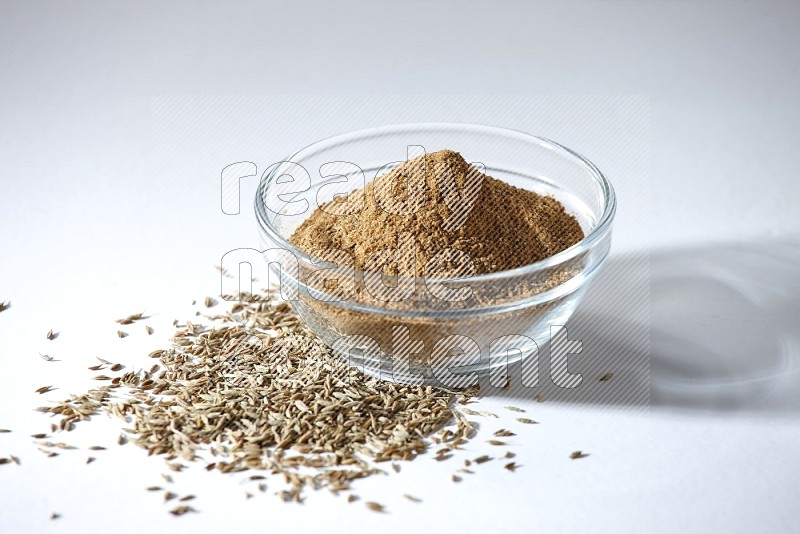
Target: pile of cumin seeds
{"type": "Point", "coordinates": [254, 389]}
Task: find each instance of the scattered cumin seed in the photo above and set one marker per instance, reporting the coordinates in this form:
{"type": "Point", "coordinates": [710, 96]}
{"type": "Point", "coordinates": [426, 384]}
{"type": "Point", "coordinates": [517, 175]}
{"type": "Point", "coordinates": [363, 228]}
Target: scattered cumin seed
{"type": "Point", "coordinates": [248, 495]}
{"type": "Point", "coordinates": [396, 467]}
{"type": "Point", "coordinates": [122, 439]}
{"type": "Point", "coordinates": [168, 496]}
{"type": "Point", "coordinates": [44, 389]}
{"type": "Point", "coordinates": [482, 459]}
{"type": "Point", "coordinates": [262, 487]}
{"type": "Point", "coordinates": [197, 398]}
{"type": "Point", "coordinates": [51, 335]}
{"type": "Point", "coordinates": [4, 431]}
{"type": "Point", "coordinates": [38, 436]}
{"type": "Point", "coordinates": [90, 459]}
{"type": "Point", "coordinates": [539, 397]}
{"type": "Point", "coordinates": [503, 433]}
{"type": "Point", "coordinates": [96, 448]}
{"type": "Point", "coordinates": [509, 455]}
{"type": "Point", "coordinates": [467, 463]}
{"type": "Point", "coordinates": [352, 498]}
{"type": "Point", "coordinates": [149, 330]}
{"type": "Point", "coordinates": [154, 488]}
{"type": "Point", "coordinates": [120, 333]}
{"type": "Point", "coordinates": [131, 318]}
{"type": "Point", "coordinates": [466, 471]}
{"type": "Point", "coordinates": [4, 461]}
{"type": "Point", "coordinates": [467, 411]}
{"type": "Point", "coordinates": [375, 507]}
{"type": "Point", "coordinates": [527, 421]}
{"type": "Point", "coordinates": [166, 478]}
{"type": "Point", "coordinates": [6, 304]}
{"type": "Point", "coordinates": [606, 377]}
{"type": "Point", "coordinates": [186, 499]}
{"type": "Point", "coordinates": [514, 409]}
{"type": "Point", "coordinates": [181, 510]}
{"type": "Point", "coordinates": [455, 478]}
{"type": "Point", "coordinates": [578, 454]}
{"type": "Point", "coordinates": [102, 377]}
{"type": "Point", "coordinates": [209, 302]}
{"type": "Point", "coordinates": [55, 516]}
{"type": "Point", "coordinates": [47, 357]}
{"type": "Point", "coordinates": [15, 460]}
{"type": "Point", "coordinates": [511, 466]}
{"type": "Point", "coordinates": [496, 442]}
{"type": "Point", "coordinates": [412, 498]}
{"type": "Point", "coordinates": [117, 367]}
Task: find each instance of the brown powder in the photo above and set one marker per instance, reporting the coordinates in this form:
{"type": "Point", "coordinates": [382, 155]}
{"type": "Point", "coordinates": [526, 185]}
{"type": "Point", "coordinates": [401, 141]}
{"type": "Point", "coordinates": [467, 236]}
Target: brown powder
{"type": "Point", "coordinates": [408, 222]}
{"type": "Point", "coordinates": [433, 203]}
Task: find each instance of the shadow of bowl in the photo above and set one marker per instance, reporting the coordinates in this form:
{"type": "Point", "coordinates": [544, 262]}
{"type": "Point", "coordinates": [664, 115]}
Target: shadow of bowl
{"type": "Point", "coordinates": [713, 328]}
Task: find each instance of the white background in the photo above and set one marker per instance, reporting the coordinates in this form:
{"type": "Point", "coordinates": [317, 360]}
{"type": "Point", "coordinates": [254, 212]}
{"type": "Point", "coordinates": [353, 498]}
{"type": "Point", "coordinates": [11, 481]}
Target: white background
{"type": "Point", "coordinates": [103, 213]}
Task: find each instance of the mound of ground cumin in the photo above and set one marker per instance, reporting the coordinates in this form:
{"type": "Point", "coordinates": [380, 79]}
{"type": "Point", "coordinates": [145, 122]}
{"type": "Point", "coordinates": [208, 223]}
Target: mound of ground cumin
{"type": "Point", "coordinates": [433, 203]}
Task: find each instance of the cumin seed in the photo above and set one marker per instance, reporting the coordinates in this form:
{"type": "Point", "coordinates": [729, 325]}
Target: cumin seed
{"type": "Point", "coordinates": [181, 510]}
{"type": "Point", "coordinates": [375, 507]}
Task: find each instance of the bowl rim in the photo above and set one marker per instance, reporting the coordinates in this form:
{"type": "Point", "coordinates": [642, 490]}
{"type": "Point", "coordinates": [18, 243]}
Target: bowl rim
{"type": "Point", "coordinates": [589, 240]}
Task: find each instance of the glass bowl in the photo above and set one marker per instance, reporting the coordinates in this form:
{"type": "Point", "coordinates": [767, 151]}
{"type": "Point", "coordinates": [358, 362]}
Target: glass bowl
{"type": "Point", "coordinates": [495, 319]}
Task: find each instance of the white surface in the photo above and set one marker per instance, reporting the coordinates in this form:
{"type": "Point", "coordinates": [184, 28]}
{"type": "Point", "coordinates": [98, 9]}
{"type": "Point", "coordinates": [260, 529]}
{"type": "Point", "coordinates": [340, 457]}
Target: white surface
{"type": "Point", "coordinates": [104, 212]}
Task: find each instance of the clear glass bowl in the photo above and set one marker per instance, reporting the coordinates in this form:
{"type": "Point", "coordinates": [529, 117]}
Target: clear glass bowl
{"type": "Point", "coordinates": [423, 338]}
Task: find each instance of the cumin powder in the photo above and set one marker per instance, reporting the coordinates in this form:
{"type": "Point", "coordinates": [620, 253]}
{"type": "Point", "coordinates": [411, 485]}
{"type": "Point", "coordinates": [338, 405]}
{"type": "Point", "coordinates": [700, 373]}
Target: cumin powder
{"type": "Point", "coordinates": [443, 203]}
{"type": "Point", "coordinates": [433, 217]}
